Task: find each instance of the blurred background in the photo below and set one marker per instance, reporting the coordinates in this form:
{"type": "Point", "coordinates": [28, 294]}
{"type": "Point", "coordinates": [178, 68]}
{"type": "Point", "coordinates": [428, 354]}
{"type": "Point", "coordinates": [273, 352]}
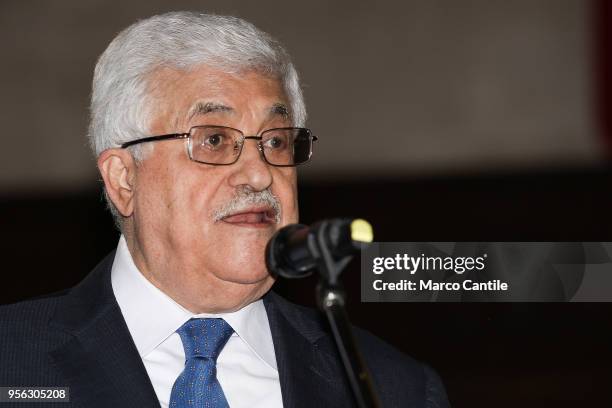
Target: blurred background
{"type": "Point", "coordinates": [471, 120]}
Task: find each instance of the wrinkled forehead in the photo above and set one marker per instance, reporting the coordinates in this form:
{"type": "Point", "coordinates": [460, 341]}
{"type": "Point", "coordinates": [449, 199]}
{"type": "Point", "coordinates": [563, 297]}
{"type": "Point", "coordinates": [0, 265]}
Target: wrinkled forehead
{"type": "Point", "coordinates": [182, 95]}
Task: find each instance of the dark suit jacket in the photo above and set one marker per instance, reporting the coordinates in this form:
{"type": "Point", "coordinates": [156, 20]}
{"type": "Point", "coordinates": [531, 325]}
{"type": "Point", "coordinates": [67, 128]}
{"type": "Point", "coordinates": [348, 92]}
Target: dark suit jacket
{"type": "Point", "coordinates": [79, 339]}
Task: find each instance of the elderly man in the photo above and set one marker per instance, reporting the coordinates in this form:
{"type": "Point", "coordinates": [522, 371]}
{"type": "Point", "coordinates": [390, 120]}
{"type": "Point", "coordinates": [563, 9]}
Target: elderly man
{"type": "Point", "coordinates": [196, 122]}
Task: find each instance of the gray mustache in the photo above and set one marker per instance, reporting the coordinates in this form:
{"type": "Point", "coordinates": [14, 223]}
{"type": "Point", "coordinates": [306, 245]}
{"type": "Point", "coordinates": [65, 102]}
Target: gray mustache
{"type": "Point", "coordinates": [246, 198]}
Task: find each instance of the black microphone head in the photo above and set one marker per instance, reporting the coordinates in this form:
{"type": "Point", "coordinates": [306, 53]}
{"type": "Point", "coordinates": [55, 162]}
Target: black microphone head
{"type": "Point", "coordinates": [285, 256]}
{"type": "Point", "coordinates": [296, 250]}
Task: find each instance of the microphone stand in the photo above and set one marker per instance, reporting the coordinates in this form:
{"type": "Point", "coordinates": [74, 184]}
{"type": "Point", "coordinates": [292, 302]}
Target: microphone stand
{"type": "Point", "coordinates": [331, 300]}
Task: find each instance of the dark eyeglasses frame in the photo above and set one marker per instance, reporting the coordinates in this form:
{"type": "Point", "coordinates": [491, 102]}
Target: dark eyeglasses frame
{"type": "Point", "coordinates": [258, 138]}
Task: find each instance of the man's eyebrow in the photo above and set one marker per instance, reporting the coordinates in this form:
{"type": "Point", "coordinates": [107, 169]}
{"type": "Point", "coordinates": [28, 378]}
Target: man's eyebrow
{"type": "Point", "coordinates": [202, 108]}
{"type": "Point", "coordinates": [280, 109]}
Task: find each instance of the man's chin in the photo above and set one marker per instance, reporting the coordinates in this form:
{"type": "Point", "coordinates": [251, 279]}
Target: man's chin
{"type": "Point", "coordinates": [243, 290]}
{"type": "Point", "coordinates": [247, 277]}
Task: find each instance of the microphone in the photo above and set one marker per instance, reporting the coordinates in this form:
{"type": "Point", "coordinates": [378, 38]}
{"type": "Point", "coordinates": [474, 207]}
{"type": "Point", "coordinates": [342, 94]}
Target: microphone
{"type": "Point", "coordinates": [296, 249]}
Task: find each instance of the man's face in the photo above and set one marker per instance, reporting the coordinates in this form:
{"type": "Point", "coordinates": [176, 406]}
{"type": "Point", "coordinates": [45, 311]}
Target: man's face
{"type": "Point", "coordinates": [184, 249]}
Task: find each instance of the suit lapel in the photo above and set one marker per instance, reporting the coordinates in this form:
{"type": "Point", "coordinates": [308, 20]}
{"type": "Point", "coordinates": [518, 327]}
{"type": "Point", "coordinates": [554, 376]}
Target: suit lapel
{"type": "Point", "coordinates": [310, 371]}
{"type": "Point", "coordinates": [100, 362]}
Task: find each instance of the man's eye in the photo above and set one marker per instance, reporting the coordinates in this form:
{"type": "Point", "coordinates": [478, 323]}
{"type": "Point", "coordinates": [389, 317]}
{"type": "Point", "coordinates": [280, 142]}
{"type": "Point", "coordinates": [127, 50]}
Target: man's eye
{"type": "Point", "coordinates": [213, 140]}
{"type": "Point", "coordinates": [275, 143]}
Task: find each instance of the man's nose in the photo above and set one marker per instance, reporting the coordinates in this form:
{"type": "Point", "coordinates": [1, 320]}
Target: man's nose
{"type": "Point", "coordinates": [251, 169]}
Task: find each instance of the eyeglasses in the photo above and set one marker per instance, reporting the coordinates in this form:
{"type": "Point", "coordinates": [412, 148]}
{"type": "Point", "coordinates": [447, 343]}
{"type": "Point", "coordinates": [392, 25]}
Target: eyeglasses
{"type": "Point", "coordinates": [221, 145]}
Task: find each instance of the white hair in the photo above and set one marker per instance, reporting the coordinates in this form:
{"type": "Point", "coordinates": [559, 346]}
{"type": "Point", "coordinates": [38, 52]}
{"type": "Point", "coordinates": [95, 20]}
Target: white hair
{"type": "Point", "coordinates": [120, 105]}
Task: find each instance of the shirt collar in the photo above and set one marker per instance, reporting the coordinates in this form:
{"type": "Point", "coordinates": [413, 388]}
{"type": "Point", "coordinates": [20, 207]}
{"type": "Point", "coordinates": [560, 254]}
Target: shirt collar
{"type": "Point", "coordinates": [152, 316]}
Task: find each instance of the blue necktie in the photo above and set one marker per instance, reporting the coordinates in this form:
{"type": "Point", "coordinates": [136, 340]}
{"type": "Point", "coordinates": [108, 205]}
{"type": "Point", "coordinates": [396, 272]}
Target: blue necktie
{"type": "Point", "coordinates": [197, 386]}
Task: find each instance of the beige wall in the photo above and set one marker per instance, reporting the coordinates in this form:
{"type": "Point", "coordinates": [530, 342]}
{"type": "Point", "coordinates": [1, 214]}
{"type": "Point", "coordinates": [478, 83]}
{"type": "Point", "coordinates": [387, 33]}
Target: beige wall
{"type": "Point", "coordinates": [412, 87]}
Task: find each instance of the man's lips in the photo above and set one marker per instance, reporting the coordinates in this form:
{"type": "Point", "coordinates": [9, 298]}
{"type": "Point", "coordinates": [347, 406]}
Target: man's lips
{"type": "Point", "coordinates": [253, 217]}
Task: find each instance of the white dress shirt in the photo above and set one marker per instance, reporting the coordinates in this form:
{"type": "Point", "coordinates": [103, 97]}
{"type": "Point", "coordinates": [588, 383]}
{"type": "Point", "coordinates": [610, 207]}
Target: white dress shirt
{"type": "Point", "coordinates": [246, 367]}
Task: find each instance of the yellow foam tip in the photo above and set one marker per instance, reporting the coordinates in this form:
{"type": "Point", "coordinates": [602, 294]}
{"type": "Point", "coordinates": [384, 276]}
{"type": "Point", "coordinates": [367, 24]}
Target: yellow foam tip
{"type": "Point", "coordinates": [361, 231]}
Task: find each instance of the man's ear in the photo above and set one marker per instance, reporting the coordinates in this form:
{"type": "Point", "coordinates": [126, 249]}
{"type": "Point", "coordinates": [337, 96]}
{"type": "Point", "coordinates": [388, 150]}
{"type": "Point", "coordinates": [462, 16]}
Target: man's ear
{"type": "Point", "coordinates": [118, 170]}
